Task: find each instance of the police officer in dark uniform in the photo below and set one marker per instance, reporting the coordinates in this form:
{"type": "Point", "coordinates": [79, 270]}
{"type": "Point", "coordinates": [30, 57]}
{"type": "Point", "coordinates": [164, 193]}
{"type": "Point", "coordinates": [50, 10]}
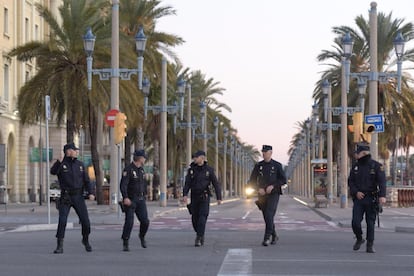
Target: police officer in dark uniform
{"type": "Point", "coordinates": [73, 180]}
{"type": "Point", "coordinates": [198, 180]}
{"type": "Point", "coordinates": [134, 191]}
{"type": "Point", "coordinates": [366, 182]}
{"type": "Point", "coordinates": [268, 177]}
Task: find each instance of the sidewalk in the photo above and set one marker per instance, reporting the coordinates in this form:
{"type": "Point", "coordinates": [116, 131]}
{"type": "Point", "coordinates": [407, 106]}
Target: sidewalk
{"type": "Point", "coordinates": [398, 219]}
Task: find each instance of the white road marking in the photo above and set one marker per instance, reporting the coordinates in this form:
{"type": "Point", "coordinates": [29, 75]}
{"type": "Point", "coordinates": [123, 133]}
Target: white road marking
{"type": "Point", "coordinates": [238, 261]}
{"type": "Point", "coordinates": [246, 215]}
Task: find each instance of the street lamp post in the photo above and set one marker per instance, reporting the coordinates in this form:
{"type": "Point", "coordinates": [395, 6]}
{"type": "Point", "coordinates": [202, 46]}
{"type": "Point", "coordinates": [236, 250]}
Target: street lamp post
{"type": "Point", "coordinates": [163, 109]}
{"type": "Point", "coordinates": [373, 76]}
{"type": "Point", "coordinates": [114, 73]}
{"type": "Point", "coordinates": [224, 146]}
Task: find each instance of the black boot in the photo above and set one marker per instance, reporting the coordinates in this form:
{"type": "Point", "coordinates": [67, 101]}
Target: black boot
{"type": "Point", "coordinates": [59, 248]}
{"type": "Point", "coordinates": [266, 240]}
{"type": "Point", "coordinates": [275, 238]}
{"type": "Point", "coordinates": [125, 245]}
{"type": "Point", "coordinates": [197, 241]}
{"type": "Point", "coordinates": [85, 242]}
{"type": "Point", "coordinates": [143, 242]}
{"type": "Point", "coordinates": [358, 243]}
{"type": "Point", "coordinates": [202, 240]}
{"type": "Point", "coordinates": [370, 247]}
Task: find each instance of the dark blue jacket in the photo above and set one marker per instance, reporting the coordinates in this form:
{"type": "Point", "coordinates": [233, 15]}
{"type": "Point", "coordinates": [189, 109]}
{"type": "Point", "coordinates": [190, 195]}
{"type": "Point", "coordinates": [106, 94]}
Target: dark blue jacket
{"type": "Point", "coordinates": [71, 174]}
{"type": "Point", "coordinates": [268, 173]}
{"type": "Point", "coordinates": [132, 182]}
{"type": "Point", "coordinates": [365, 176]}
{"type": "Point", "coordinates": [199, 178]}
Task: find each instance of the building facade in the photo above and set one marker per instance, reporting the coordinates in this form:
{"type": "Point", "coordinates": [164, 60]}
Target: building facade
{"type": "Point", "coordinates": [23, 169]}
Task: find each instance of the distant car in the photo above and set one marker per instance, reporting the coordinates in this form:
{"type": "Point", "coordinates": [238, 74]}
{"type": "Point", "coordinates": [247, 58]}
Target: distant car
{"type": "Point", "coordinates": [54, 191]}
{"type": "Point", "coordinates": [249, 191]}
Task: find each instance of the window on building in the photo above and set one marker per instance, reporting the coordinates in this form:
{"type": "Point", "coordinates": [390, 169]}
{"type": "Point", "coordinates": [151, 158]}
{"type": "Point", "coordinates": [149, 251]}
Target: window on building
{"type": "Point", "coordinates": [36, 32]}
{"type": "Point", "coordinates": [6, 83]}
{"type": "Point", "coordinates": [6, 21]}
{"type": "Point", "coordinates": [27, 76]}
{"type": "Point", "coordinates": [26, 29]}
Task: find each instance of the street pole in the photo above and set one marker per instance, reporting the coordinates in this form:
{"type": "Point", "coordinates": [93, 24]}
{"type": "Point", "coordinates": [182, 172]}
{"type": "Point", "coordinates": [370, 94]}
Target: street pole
{"type": "Point", "coordinates": [231, 166]}
{"type": "Point", "coordinates": [114, 101]}
{"type": "Point", "coordinates": [163, 139]}
{"type": "Point", "coordinates": [344, 135]}
{"type": "Point", "coordinates": [216, 125]}
{"type": "Point", "coordinates": [188, 133]}
{"type": "Point", "coordinates": [329, 154]}
{"type": "Point", "coordinates": [224, 177]}
{"type": "Point", "coordinates": [373, 82]}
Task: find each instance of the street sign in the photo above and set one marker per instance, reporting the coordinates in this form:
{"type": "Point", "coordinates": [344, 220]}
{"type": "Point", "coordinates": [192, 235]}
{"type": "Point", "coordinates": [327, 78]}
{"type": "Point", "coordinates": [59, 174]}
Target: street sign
{"type": "Point", "coordinates": [377, 120]}
{"type": "Point", "coordinates": [110, 117]}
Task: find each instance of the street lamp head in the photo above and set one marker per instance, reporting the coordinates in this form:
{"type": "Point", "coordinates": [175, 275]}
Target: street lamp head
{"type": "Point", "coordinates": [216, 121]}
{"type": "Point", "coordinates": [347, 45]}
{"type": "Point", "coordinates": [362, 87]}
{"type": "Point", "coordinates": [140, 41]}
{"type": "Point", "coordinates": [307, 123]}
{"type": "Point", "coordinates": [89, 42]}
{"type": "Point", "coordinates": [202, 107]}
{"type": "Point", "coordinates": [399, 43]}
{"type": "Point", "coordinates": [325, 86]}
{"type": "Point", "coordinates": [181, 87]}
{"type": "Point", "coordinates": [225, 131]}
{"type": "Point", "coordinates": [146, 86]}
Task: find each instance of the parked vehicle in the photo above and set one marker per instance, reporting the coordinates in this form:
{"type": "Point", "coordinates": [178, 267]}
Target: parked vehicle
{"type": "Point", "coordinates": [54, 191]}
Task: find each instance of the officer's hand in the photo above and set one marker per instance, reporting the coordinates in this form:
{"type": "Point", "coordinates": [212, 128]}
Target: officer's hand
{"type": "Point", "coordinates": [360, 195]}
{"type": "Point", "coordinates": [218, 202]}
{"type": "Point", "coordinates": [185, 199]}
{"type": "Point", "coordinates": [91, 197]}
{"type": "Point", "coordinates": [269, 189]}
{"type": "Point", "coordinates": [261, 191]}
{"type": "Point", "coordinates": [127, 201]}
{"type": "Point", "coordinates": [382, 200]}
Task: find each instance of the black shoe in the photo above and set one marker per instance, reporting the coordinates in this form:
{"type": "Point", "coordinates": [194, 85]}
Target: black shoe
{"type": "Point", "coordinates": [143, 242]}
{"type": "Point", "coordinates": [202, 240]}
{"type": "Point", "coordinates": [125, 246]}
{"type": "Point", "coordinates": [197, 241]}
{"type": "Point", "coordinates": [275, 238]}
{"type": "Point", "coordinates": [266, 242]}
{"type": "Point", "coordinates": [370, 247]}
{"type": "Point", "coordinates": [59, 248]}
{"type": "Point", "coordinates": [85, 242]}
{"type": "Point", "coordinates": [358, 244]}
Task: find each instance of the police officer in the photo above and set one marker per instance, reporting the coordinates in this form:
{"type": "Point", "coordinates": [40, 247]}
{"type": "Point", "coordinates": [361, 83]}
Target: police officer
{"type": "Point", "coordinates": [268, 177]}
{"type": "Point", "coordinates": [366, 182]}
{"type": "Point", "coordinates": [198, 180]}
{"type": "Point", "coordinates": [134, 191]}
{"type": "Point", "coordinates": [73, 180]}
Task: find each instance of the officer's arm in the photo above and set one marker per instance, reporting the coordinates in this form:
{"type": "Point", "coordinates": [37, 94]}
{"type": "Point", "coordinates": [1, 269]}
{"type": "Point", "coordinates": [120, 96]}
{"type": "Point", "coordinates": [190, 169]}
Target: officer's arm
{"type": "Point", "coordinates": [54, 170]}
{"type": "Point", "coordinates": [351, 184]}
{"type": "Point", "coordinates": [381, 181]}
{"type": "Point", "coordinates": [124, 183]}
{"type": "Point", "coordinates": [253, 177]}
{"type": "Point", "coordinates": [281, 177]}
{"type": "Point", "coordinates": [87, 182]}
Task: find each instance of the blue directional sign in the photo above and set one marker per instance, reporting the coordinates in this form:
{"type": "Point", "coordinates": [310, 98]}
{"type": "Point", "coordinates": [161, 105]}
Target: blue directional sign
{"type": "Point", "coordinates": [377, 120]}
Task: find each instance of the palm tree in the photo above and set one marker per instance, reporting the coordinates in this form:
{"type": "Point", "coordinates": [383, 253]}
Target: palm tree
{"type": "Point", "coordinates": [390, 102]}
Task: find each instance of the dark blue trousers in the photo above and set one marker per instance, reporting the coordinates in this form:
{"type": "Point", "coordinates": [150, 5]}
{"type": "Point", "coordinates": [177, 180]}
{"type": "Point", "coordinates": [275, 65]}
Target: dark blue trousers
{"type": "Point", "coordinates": [269, 212]}
{"type": "Point", "coordinates": [200, 208]}
{"type": "Point", "coordinates": [78, 203]}
{"type": "Point", "coordinates": [139, 208]}
{"type": "Point", "coordinates": [361, 207]}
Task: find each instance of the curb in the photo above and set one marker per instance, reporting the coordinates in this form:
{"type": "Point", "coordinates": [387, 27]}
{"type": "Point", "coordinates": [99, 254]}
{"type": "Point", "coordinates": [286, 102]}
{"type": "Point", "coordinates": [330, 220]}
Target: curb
{"type": "Point", "coordinates": [404, 229]}
{"type": "Point", "coordinates": [39, 227]}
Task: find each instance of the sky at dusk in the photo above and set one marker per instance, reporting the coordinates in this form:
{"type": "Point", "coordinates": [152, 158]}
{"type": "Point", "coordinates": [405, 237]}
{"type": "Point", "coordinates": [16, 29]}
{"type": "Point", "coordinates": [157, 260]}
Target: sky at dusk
{"type": "Point", "coordinates": [263, 53]}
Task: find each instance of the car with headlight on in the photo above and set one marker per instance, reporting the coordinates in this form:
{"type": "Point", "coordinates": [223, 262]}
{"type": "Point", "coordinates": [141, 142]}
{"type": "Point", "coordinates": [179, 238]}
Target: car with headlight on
{"type": "Point", "coordinates": [250, 191]}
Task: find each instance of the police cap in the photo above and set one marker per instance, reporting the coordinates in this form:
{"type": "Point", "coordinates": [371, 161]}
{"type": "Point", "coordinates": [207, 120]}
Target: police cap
{"type": "Point", "coordinates": [69, 146]}
{"type": "Point", "coordinates": [363, 146]}
{"type": "Point", "coordinates": [266, 148]}
{"type": "Point", "coordinates": [139, 153]}
{"type": "Point", "coordinates": [199, 153]}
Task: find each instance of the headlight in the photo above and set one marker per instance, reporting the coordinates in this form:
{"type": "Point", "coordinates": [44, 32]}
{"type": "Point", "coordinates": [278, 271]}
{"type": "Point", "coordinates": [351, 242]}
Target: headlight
{"type": "Point", "coordinates": [249, 191]}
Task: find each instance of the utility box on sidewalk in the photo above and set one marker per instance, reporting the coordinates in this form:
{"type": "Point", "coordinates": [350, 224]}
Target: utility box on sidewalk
{"type": "Point", "coordinates": [105, 192]}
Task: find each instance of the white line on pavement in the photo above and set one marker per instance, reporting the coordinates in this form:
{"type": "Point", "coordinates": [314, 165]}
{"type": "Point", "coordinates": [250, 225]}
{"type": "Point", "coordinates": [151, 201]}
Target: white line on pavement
{"type": "Point", "coordinates": [238, 261]}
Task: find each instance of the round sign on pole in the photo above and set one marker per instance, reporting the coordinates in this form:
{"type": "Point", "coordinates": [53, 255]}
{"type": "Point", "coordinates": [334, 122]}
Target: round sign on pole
{"type": "Point", "coordinates": [110, 117]}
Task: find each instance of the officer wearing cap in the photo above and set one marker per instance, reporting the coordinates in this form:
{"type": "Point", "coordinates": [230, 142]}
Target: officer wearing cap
{"type": "Point", "coordinates": [366, 181]}
{"type": "Point", "coordinates": [268, 177]}
{"type": "Point", "coordinates": [198, 180]}
{"type": "Point", "coordinates": [73, 180]}
{"type": "Point", "coordinates": [134, 190]}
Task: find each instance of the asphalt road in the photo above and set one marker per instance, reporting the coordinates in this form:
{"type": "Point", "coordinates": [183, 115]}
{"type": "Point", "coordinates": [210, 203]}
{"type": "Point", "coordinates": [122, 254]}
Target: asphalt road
{"type": "Point", "coordinates": [308, 245]}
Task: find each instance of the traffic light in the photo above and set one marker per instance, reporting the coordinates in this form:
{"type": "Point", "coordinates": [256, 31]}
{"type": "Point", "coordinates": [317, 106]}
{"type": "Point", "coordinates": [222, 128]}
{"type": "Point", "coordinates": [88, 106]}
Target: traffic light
{"type": "Point", "coordinates": [119, 127]}
{"type": "Point", "coordinates": [368, 130]}
{"type": "Point", "coordinates": [356, 128]}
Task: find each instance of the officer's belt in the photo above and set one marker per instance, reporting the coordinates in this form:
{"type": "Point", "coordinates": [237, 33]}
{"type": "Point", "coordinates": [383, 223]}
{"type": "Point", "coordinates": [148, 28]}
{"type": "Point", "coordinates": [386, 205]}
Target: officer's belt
{"type": "Point", "coordinates": [72, 192]}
